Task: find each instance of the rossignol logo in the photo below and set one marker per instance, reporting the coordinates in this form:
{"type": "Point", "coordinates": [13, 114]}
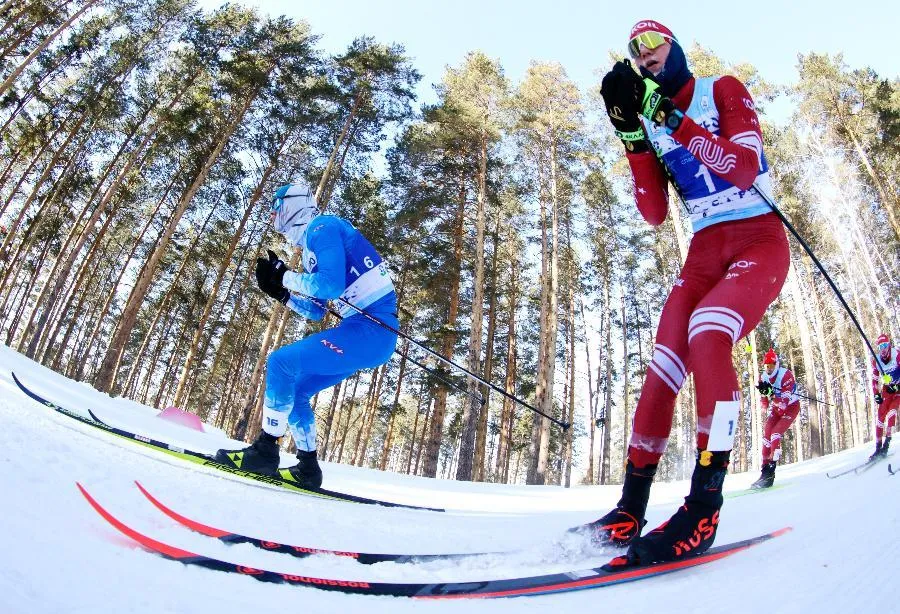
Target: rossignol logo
{"type": "Point", "coordinates": [353, 555]}
{"type": "Point", "coordinates": [324, 581]}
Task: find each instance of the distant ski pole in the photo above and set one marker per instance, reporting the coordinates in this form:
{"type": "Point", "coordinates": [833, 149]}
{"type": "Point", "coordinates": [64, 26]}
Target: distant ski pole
{"type": "Point", "coordinates": [809, 251]}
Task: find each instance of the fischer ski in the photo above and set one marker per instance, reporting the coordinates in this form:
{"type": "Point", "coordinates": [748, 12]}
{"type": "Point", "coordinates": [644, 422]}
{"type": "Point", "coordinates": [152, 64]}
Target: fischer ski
{"type": "Point", "coordinates": [365, 558]}
{"type": "Point", "coordinates": [891, 471]}
{"type": "Point", "coordinates": [205, 460]}
{"type": "Point", "coordinates": [510, 587]}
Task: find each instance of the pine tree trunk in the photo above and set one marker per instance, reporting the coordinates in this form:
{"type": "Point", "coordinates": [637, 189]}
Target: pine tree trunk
{"type": "Point", "coordinates": [105, 380]}
{"type": "Point", "coordinates": [436, 426]}
{"type": "Point", "coordinates": [472, 408]}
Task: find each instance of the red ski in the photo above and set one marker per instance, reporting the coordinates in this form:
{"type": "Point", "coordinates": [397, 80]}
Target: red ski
{"type": "Point", "coordinates": [511, 587]}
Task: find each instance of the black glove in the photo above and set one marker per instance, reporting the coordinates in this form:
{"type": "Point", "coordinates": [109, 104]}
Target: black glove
{"type": "Point", "coordinates": [622, 89]}
{"type": "Point", "coordinates": [765, 388]}
{"type": "Point", "coordinates": [878, 398]}
{"type": "Point", "coordinates": [269, 275]}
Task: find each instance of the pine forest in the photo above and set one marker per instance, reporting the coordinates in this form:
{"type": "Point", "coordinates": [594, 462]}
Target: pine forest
{"type": "Point", "coordinates": [140, 146]}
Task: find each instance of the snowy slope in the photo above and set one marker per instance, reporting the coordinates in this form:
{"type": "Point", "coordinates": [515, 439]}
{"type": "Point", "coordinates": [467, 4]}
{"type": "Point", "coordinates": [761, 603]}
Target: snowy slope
{"type": "Point", "coordinates": [59, 556]}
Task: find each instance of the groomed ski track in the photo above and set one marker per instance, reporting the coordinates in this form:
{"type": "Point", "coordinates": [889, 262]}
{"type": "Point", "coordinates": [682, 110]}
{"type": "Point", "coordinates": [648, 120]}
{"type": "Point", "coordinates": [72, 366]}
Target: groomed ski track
{"type": "Point", "coordinates": [59, 556]}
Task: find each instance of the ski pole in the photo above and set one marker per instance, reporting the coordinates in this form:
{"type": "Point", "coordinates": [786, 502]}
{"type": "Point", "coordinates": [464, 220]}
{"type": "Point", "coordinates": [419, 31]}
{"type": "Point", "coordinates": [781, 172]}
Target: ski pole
{"type": "Point", "coordinates": [445, 360]}
{"type": "Point", "coordinates": [433, 373]}
{"type": "Point", "coordinates": [809, 251]}
{"type": "Point", "coordinates": [803, 396]}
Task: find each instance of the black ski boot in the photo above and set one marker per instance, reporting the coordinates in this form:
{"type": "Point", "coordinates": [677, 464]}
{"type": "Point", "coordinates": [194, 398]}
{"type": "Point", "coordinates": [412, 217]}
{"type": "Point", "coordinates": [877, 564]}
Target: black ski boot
{"type": "Point", "coordinates": [766, 478]}
{"type": "Point", "coordinates": [885, 446]}
{"type": "Point", "coordinates": [306, 473]}
{"type": "Point", "coordinates": [692, 530]}
{"type": "Point", "coordinates": [877, 453]}
{"type": "Point", "coordinates": [620, 526]}
{"type": "Point", "coordinates": [259, 457]}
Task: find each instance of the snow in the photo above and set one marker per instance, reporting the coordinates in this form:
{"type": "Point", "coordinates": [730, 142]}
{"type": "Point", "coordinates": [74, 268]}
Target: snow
{"type": "Point", "coordinates": [60, 556]}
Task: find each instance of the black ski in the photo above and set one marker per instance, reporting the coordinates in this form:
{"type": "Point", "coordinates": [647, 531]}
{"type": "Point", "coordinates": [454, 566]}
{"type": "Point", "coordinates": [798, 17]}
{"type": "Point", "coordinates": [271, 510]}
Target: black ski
{"type": "Point", "coordinates": [206, 460]}
{"type": "Point", "coordinates": [228, 537]}
{"type": "Point", "coordinates": [509, 587]}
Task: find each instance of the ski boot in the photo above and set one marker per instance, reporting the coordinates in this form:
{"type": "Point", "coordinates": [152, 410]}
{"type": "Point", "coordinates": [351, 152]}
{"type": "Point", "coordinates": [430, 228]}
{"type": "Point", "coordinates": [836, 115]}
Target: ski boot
{"type": "Point", "coordinates": [692, 529]}
{"type": "Point", "coordinates": [259, 457]}
{"type": "Point", "coordinates": [306, 473]}
{"type": "Point", "coordinates": [876, 454]}
{"type": "Point", "coordinates": [624, 523]}
{"type": "Point", "coordinates": [885, 446]}
{"type": "Point", "coordinates": [766, 478]}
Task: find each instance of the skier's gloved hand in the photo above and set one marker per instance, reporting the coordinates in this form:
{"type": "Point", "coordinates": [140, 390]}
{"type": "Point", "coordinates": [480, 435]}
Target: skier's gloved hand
{"type": "Point", "coordinates": [878, 398]}
{"type": "Point", "coordinates": [765, 388]}
{"type": "Point", "coordinates": [269, 275]}
{"type": "Point", "coordinates": [621, 96]}
{"type": "Point", "coordinates": [658, 108]}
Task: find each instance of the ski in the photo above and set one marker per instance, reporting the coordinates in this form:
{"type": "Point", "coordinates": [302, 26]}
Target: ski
{"type": "Point", "coordinates": [205, 460]}
{"type": "Point", "coordinates": [754, 491]}
{"type": "Point", "coordinates": [509, 587]}
{"type": "Point", "coordinates": [857, 469]}
{"type": "Point", "coordinates": [891, 471]}
{"type": "Point", "coordinates": [228, 537]}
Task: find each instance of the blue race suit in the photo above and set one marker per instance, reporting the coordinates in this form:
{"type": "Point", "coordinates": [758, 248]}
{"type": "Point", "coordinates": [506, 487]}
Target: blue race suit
{"type": "Point", "coordinates": [339, 263]}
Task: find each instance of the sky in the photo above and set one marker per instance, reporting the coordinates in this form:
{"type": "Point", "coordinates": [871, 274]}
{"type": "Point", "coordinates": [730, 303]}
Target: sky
{"type": "Point", "coordinates": [579, 35]}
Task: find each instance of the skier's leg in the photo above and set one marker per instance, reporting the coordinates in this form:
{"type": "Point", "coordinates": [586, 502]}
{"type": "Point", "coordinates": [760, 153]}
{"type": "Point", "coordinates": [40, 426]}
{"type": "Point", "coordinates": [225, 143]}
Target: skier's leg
{"type": "Point", "coordinates": [652, 421]}
{"type": "Point", "coordinates": [755, 274]}
{"type": "Point", "coordinates": [768, 429]}
{"type": "Point", "coordinates": [328, 358]}
{"type": "Point", "coordinates": [780, 428]}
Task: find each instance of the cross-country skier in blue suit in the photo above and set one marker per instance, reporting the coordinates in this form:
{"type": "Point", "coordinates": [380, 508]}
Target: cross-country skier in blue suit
{"type": "Point", "coordinates": [339, 265]}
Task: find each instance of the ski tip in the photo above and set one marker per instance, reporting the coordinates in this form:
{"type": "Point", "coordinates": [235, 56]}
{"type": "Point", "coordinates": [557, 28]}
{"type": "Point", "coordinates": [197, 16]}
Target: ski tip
{"type": "Point", "coordinates": [782, 531]}
{"type": "Point", "coordinates": [147, 542]}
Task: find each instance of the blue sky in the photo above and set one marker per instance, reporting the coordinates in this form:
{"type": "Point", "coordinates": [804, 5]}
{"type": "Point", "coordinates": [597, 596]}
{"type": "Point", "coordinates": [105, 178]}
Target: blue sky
{"type": "Point", "coordinates": [765, 33]}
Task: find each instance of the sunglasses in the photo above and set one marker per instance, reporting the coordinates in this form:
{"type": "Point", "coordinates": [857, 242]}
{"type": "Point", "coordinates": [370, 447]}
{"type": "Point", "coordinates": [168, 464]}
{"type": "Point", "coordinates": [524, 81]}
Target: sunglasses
{"type": "Point", "coordinates": [883, 347]}
{"type": "Point", "coordinates": [650, 40]}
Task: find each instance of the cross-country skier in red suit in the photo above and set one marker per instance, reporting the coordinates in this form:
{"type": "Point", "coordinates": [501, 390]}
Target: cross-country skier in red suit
{"type": "Point", "coordinates": [782, 406]}
{"type": "Point", "coordinates": [703, 135]}
{"type": "Point", "coordinates": [886, 388]}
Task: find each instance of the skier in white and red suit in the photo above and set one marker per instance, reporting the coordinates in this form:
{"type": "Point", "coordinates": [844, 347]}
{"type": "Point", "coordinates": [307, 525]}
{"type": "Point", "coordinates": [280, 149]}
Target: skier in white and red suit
{"type": "Point", "coordinates": [703, 135]}
{"type": "Point", "coordinates": [886, 388]}
{"type": "Point", "coordinates": [782, 406]}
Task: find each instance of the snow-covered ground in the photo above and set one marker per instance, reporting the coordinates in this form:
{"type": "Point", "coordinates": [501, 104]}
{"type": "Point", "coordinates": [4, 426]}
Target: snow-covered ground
{"type": "Point", "coordinates": [58, 555]}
